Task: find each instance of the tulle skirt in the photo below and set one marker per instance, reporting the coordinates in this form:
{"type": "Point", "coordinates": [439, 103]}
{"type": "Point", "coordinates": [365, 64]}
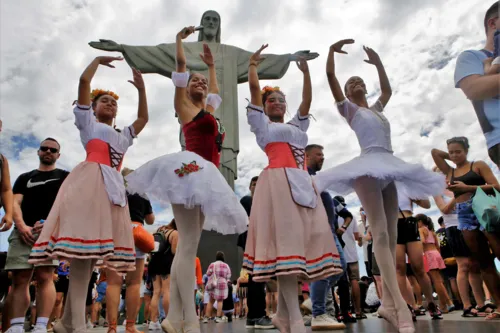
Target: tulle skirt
{"type": "Point", "coordinates": [84, 224]}
{"type": "Point", "coordinates": [185, 178]}
{"type": "Point", "coordinates": [414, 179]}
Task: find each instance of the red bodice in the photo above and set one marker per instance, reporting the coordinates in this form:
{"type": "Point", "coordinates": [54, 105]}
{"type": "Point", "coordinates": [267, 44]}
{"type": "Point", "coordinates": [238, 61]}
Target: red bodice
{"type": "Point", "coordinates": [285, 155]}
{"type": "Point", "coordinates": [204, 137]}
{"type": "Point", "coordinates": [101, 152]}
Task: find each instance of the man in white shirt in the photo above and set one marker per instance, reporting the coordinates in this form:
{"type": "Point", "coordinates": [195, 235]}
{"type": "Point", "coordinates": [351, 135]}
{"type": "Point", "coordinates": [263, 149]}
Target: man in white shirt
{"type": "Point", "coordinates": [351, 237]}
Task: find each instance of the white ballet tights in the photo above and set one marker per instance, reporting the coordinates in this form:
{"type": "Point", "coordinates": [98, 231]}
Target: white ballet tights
{"type": "Point", "coordinates": [381, 206]}
{"type": "Point", "coordinates": [182, 274]}
{"type": "Point", "coordinates": [74, 311]}
{"type": "Point", "coordinates": [287, 286]}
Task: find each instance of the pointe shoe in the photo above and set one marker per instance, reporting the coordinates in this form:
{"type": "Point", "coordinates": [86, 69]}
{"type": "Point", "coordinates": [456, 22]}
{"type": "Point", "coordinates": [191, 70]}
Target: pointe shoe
{"type": "Point", "coordinates": [298, 327]}
{"type": "Point", "coordinates": [405, 322]}
{"type": "Point", "coordinates": [389, 314]}
{"type": "Point", "coordinates": [169, 327]}
{"type": "Point", "coordinates": [281, 324]}
{"type": "Point", "coordinates": [59, 327]}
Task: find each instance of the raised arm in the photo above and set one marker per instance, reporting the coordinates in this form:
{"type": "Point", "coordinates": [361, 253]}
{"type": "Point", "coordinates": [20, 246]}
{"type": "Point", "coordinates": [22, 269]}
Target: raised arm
{"type": "Point", "coordinates": [385, 86]}
{"type": "Point", "coordinates": [305, 105]}
{"type": "Point", "coordinates": [142, 111]}
{"type": "Point", "coordinates": [330, 69]}
{"type": "Point", "coordinates": [180, 90]}
{"type": "Point", "coordinates": [440, 158]}
{"type": "Point", "coordinates": [88, 74]}
{"type": "Point", "coordinates": [208, 59]}
{"type": "Point", "coordinates": [7, 196]}
{"type": "Point", "coordinates": [253, 77]}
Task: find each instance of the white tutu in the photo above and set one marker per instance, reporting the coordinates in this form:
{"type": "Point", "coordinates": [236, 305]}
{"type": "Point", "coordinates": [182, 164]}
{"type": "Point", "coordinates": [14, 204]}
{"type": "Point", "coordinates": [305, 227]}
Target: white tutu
{"type": "Point", "coordinates": [158, 181]}
{"type": "Point", "coordinates": [416, 181]}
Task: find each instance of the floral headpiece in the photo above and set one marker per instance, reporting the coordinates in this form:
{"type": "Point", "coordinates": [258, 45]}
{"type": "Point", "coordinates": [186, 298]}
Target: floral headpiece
{"type": "Point", "coordinates": [99, 92]}
{"type": "Point", "coordinates": [269, 89]}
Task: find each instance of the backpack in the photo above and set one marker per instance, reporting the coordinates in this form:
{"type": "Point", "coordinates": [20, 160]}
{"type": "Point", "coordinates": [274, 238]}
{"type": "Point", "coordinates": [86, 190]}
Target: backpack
{"type": "Point", "coordinates": [163, 244]}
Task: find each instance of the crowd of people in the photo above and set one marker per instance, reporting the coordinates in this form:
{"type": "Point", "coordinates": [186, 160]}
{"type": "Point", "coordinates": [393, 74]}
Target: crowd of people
{"type": "Point", "coordinates": [79, 249]}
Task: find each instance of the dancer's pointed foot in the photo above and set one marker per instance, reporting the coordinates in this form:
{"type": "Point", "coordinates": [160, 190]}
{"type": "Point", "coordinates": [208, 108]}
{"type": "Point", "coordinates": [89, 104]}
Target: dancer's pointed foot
{"type": "Point", "coordinates": [405, 322]}
{"type": "Point", "coordinates": [59, 327]}
{"type": "Point", "coordinates": [298, 327]}
{"type": "Point", "coordinates": [281, 324]}
{"type": "Point", "coordinates": [130, 327]}
{"type": "Point", "coordinates": [389, 314]}
{"type": "Point", "coordinates": [171, 326]}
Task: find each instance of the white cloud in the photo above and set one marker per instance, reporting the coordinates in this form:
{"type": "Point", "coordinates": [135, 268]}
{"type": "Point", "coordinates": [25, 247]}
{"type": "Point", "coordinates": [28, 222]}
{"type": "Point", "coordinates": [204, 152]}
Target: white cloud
{"type": "Point", "coordinates": [44, 50]}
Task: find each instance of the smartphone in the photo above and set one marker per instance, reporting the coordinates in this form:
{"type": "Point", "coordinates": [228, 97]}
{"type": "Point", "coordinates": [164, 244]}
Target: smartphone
{"type": "Point", "coordinates": [198, 28]}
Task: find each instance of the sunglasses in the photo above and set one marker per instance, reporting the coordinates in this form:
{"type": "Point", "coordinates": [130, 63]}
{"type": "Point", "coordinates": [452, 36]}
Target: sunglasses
{"type": "Point", "coordinates": [52, 150]}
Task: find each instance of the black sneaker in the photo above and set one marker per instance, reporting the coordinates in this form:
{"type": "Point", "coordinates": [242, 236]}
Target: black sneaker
{"type": "Point", "coordinates": [348, 318]}
{"type": "Point", "coordinates": [250, 323]}
{"type": "Point", "coordinates": [264, 323]}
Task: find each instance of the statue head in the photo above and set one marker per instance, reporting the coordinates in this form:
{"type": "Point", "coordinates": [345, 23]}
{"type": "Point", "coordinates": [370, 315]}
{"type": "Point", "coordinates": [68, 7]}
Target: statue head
{"type": "Point", "coordinates": [211, 27]}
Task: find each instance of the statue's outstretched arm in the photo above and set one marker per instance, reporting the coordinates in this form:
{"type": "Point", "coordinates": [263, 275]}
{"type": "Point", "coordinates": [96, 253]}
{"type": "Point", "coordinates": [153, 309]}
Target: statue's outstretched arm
{"type": "Point", "coordinates": [107, 45]}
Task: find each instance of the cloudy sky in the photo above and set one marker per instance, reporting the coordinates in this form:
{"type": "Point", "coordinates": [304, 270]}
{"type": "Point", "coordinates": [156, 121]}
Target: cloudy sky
{"type": "Point", "coordinates": [44, 50]}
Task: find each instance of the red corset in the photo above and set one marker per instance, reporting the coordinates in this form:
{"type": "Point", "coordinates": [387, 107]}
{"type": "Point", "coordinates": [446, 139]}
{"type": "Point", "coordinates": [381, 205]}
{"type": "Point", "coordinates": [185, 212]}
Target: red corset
{"type": "Point", "coordinates": [203, 137]}
{"type": "Point", "coordinates": [101, 152]}
{"type": "Point", "coordinates": [285, 155]}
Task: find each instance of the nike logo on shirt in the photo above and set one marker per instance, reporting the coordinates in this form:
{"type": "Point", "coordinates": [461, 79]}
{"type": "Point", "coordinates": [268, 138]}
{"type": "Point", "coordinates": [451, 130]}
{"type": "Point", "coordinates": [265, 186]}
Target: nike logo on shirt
{"type": "Point", "coordinates": [31, 184]}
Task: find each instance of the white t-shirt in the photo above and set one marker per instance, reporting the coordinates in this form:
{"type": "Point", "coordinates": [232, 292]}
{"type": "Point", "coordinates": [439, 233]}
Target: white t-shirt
{"type": "Point", "coordinates": [350, 252]}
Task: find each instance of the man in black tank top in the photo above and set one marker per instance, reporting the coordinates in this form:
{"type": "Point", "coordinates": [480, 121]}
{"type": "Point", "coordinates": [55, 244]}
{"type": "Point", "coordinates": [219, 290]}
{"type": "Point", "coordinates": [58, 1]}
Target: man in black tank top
{"type": "Point", "coordinates": [256, 296]}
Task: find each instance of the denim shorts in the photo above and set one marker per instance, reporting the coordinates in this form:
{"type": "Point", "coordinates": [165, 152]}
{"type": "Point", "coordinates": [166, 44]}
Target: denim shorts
{"type": "Point", "coordinates": [467, 220]}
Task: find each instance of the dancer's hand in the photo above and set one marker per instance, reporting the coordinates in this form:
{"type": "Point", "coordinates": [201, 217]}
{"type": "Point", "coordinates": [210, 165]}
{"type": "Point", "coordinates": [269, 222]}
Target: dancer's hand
{"type": "Point", "coordinates": [302, 65]}
{"type": "Point", "coordinates": [138, 81]}
{"type": "Point", "coordinates": [6, 223]}
{"type": "Point", "coordinates": [207, 56]}
{"type": "Point", "coordinates": [184, 33]}
{"type": "Point", "coordinates": [26, 234]}
{"type": "Point", "coordinates": [37, 228]}
{"type": "Point", "coordinates": [337, 47]}
{"type": "Point", "coordinates": [256, 58]}
{"type": "Point", "coordinates": [106, 61]}
{"type": "Point", "coordinates": [373, 58]}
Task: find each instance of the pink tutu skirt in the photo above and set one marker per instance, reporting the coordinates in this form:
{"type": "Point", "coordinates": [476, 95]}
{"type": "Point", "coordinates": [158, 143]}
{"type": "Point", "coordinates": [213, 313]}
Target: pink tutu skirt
{"type": "Point", "coordinates": [84, 224]}
{"type": "Point", "coordinates": [434, 260]}
{"type": "Point", "coordinates": [285, 238]}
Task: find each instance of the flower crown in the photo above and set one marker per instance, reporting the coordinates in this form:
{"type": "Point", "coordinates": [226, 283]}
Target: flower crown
{"type": "Point", "coordinates": [99, 92]}
{"type": "Point", "coordinates": [269, 89]}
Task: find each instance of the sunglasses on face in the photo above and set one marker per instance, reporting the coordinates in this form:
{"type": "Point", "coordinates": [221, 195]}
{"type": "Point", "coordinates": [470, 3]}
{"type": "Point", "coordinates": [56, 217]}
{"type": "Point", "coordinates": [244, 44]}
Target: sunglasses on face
{"type": "Point", "coordinates": [45, 149]}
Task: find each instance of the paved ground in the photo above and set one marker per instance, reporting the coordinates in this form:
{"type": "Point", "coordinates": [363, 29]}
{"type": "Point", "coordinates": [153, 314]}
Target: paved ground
{"type": "Point", "coordinates": [451, 323]}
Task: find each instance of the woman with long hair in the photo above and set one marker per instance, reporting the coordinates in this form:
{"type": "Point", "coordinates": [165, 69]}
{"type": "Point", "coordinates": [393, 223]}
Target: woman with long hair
{"type": "Point", "coordinates": [373, 175]}
{"type": "Point", "coordinates": [435, 262]}
{"type": "Point", "coordinates": [191, 182]}
{"type": "Point", "coordinates": [90, 219]}
{"type": "Point", "coordinates": [285, 200]}
{"type": "Point", "coordinates": [463, 181]}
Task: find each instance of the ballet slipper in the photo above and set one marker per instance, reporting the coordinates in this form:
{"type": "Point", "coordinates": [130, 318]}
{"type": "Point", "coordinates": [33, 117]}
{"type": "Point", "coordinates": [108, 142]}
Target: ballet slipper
{"type": "Point", "coordinates": [281, 324]}
{"type": "Point", "coordinates": [171, 327]}
{"type": "Point", "coordinates": [389, 314]}
{"type": "Point", "coordinates": [298, 327]}
{"type": "Point", "coordinates": [405, 321]}
{"type": "Point", "coordinates": [112, 327]}
{"type": "Point", "coordinates": [59, 327]}
{"type": "Point", "coordinates": [130, 327]}
{"type": "Point", "coordinates": [193, 327]}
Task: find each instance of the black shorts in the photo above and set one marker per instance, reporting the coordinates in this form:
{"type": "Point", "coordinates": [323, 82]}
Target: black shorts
{"type": "Point", "coordinates": [450, 272]}
{"type": "Point", "coordinates": [494, 154]}
{"type": "Point", "coordinates": [62, 284]}
{"type": "Point", "coordinates": [408, 231]}
{"type": "Point", "coordinates": [409, 270]}
{"type": "Point", "coordinates": [457, 242]}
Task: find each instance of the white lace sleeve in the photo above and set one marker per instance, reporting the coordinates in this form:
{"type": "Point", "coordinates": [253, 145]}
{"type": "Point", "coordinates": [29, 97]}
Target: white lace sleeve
{"type": "Point", "coordinates": [347, 109]}
{"type": "Point", "coordinates": [129, 133]}
{"type": "Point", "coordinates": [301, 122]}
{"type": "Point", "coordinates": [214, 100]}
{"type": "Point", "coordinates": [258, 121]}
{"type": "Point", "coordinates": [84, 116]}
{"type": "Point", "coordinates": [180, 80]}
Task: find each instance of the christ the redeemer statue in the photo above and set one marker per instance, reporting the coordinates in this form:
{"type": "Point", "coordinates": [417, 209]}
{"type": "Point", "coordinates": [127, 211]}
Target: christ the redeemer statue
{"type": "Point", "coordinates": [231, 63]}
